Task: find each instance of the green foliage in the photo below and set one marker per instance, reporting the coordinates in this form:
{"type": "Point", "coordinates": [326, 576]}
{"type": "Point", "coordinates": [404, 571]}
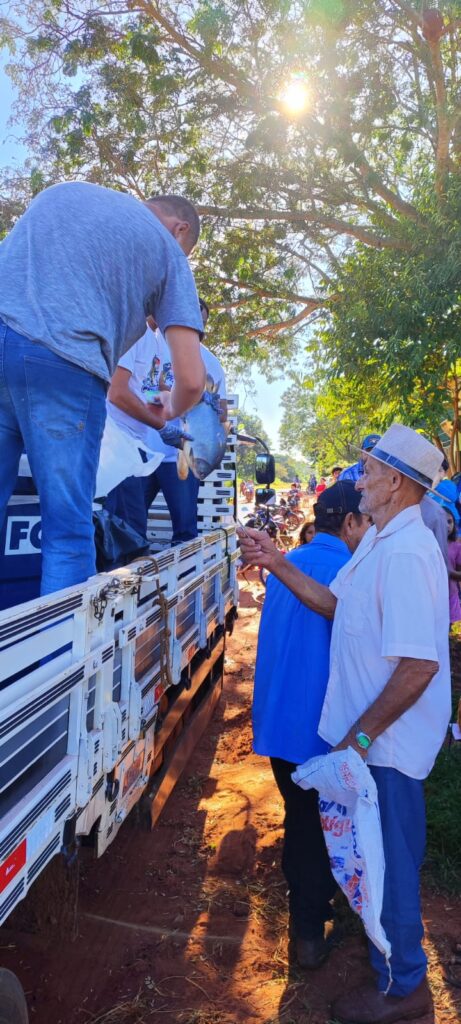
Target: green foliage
{"type": "Point", "coordinates": [287, 467]}
{"type": "Point", "coordinates": [351, 206]}
{"type": "Point", "coordinates": [11, 200]}
{"type": "Point", "coordinates": [325, 419]}
{"type": "Point", "coordinates": [443, 795]}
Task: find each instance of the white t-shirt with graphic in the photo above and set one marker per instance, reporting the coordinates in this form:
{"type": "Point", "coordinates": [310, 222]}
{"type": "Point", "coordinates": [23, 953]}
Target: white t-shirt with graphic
{"type": "Point", "coordinates": [149, 363]}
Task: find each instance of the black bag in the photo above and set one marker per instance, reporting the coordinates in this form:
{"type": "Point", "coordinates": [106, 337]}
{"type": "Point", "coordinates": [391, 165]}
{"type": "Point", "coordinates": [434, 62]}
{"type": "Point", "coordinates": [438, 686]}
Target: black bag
{"type": "Point", "coordinates": [117, 543]}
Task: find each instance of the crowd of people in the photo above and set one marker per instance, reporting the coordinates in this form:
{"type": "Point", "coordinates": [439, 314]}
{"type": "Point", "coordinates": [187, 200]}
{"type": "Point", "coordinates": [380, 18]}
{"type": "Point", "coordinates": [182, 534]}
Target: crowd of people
{"type": "Point", "coordinates": [99, 315]}
{"type": "Point", "coordinates": [353, 652]}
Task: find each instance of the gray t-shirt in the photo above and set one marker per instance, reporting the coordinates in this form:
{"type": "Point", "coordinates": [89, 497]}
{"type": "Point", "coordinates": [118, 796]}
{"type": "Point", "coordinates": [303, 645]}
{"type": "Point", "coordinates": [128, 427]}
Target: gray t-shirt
{"type": "Point", "coordinates": [435, 519]}
{"type": "Point", "coordinates": [84, 266]}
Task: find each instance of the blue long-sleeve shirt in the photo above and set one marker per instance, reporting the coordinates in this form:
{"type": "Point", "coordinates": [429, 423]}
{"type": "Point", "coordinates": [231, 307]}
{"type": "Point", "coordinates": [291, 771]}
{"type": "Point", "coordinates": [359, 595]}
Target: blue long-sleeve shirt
{"type": "Point", "coordinates": [292, 661]}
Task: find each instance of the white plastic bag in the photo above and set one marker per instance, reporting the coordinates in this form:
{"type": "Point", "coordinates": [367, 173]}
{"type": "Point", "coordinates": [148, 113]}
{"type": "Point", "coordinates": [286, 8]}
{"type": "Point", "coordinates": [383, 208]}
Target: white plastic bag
{"type": "Point", "coordinates": [349, 812]}
{"type": "Point", "coordinates": [120, 458]}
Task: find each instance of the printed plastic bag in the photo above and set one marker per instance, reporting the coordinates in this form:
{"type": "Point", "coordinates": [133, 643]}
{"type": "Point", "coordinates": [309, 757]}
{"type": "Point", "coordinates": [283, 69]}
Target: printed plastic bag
{"type": "Point", "coordinates": [349, 812]}
{"type": "Point", "coordinates": [120, 458]}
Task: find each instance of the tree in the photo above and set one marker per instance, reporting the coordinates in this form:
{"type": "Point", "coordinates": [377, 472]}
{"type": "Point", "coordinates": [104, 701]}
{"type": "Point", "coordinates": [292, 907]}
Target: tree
{"type": "Point", "coordinates": [395, 332]}
{"type": "Point", "coordinates": [327, 419]}
{"type": "Point", "coordinates": [287, 467]}
{"type": "Point", "coordinates": [362, 180]}
{"type": "Point", "coordinates": [143, 95]}
{"type": "Point", "coordinates": [252, 425]}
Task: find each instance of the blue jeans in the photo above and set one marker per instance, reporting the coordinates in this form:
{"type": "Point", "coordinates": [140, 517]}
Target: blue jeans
{"type": "Point", "coordinates": [56, 411]}
{"type": "Point", "coordinates": [128, 502]}
{"type": "Point", "coordinates": [132, 498]}
{"type": "Point", "coordinates": [403, 819]}
{"type": "Point", "coordinates": [180, 496]}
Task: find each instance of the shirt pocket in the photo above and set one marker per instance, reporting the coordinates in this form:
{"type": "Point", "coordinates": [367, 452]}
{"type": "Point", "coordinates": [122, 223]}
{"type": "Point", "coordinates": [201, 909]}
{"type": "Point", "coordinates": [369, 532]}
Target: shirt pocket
{"type": "Point", "coordinates": [355, 611]}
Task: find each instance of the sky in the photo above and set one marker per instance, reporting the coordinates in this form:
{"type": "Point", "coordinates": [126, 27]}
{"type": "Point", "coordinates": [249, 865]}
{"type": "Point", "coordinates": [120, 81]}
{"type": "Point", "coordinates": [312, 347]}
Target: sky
{"type": "Point", "coordinates": [266, 400]}
{"type": "Point", "coordinates": [265, 404]}
{"type": "Point", "coordinates": [11, 150]}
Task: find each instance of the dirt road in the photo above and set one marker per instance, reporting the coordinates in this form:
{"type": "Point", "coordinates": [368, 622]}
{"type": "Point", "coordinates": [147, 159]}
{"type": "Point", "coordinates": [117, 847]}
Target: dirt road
{"type": "Point", "coordinates": [188, 923]}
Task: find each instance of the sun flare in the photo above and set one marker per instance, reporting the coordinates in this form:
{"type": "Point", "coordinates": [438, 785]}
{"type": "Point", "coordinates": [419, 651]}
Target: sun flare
{"type": "Point", "coordinates": [295, 96]}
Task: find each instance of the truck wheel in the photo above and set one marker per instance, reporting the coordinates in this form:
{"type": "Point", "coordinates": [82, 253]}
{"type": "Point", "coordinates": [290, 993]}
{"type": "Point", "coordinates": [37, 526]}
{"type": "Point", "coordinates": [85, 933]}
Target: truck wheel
{"type": "Point", "coordinates": [13, 1008]}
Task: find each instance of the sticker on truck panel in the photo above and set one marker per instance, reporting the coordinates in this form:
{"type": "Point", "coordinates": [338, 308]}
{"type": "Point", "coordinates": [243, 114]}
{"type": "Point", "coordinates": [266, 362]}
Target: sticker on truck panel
{"type": "Point", "coordinates": [13, 864]}
{"type": "Point", "coordinates": [132, 773]}
{"type": "Point", "coordinates": [23, 535]}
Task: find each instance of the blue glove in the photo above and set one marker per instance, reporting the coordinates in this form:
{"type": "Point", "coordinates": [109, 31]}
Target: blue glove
{"type": "Point", "coordinates": [213, 400]}
{"type": "Point", "coordinates": [174, 436]}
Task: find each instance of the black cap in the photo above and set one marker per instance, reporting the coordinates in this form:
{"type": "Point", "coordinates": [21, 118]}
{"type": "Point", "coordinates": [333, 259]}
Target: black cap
{"type": "Point", "coordinates": [340, 498]}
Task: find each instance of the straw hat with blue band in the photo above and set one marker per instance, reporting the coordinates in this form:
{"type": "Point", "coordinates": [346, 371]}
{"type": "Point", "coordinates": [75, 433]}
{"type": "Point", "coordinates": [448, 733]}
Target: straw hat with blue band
{"type": "Point", "coordinates": [410, 454]}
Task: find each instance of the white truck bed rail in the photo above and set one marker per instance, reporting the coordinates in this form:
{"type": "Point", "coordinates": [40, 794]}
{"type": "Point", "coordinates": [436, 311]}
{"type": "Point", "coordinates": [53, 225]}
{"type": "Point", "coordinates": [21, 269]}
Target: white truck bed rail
{"type": "Point", "coordinates": [83, 673]}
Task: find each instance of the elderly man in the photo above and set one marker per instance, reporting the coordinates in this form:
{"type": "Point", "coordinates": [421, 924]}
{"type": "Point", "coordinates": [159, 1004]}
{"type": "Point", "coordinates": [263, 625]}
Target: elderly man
{"type": "Point", "coordinates": [79, 273]}
{"type": "Point", "coordinates": [388, 693]}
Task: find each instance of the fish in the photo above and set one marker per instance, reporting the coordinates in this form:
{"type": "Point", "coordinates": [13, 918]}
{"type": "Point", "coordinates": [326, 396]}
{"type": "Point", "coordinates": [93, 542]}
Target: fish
{"type": "Point", "coordinates": [205, 451]}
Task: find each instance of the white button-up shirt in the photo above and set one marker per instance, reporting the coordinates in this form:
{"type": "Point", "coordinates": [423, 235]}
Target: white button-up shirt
{"type": "Point", "coordinates": [392, 603]}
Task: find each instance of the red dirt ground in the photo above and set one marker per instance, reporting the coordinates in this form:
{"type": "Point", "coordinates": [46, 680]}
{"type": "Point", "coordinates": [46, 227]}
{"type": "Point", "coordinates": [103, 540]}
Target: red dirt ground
{"type": "Point", "coordinates": [188, 923]}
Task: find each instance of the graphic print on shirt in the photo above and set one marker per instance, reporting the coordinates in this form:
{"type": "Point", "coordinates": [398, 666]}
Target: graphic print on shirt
{"type": "Point", "coordinates": [163, 379]}
{"type": "Point", "coordinates": [166, 378]}
{"type": "Point", "coordinates": [151, 382]}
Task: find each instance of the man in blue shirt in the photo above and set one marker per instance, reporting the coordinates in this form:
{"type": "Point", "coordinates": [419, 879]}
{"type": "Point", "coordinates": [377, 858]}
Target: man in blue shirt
{"type": "Point", "coordinates": [291, 675]}
{"type": "Point", "coordinates": [356, 471]}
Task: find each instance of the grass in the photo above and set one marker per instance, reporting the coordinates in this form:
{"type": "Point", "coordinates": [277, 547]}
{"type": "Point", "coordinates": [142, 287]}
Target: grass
{"type": "Point", "coordinates": [129, 1011]}
{"type": "Point", "coordinates": [443, 795]}
{"type": "Point", "coordinates": [204, 1017]}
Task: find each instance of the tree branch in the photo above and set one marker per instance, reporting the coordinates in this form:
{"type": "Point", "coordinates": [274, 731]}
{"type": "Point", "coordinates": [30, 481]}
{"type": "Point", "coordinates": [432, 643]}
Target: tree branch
{"type": "Point", "coordinates": [224, 69]}
{"type": "Point", "coordinates": [340, 227]}
{"type": "Point", "coordinates": [216, 66]}
{"type": "Point", "coordinates": [443, 121]}
{"type": "Point", "coordinates": [266, 294]}
{"type": "Point", "coordinates": [283, 325]}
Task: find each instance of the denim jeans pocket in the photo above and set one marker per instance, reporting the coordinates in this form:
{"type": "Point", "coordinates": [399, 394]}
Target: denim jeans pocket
{"type": "Point", "coordinates": [58, 394]}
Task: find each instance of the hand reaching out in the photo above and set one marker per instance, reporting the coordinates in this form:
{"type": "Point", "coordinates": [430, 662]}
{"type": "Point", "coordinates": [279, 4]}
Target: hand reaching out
{"type": "Point", "coordinates": [257, 548]}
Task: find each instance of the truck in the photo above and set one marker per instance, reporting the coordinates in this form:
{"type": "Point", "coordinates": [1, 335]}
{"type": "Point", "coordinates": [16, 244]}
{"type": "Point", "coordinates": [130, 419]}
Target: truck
{"type": "Point", "coordinates": [105, 687]}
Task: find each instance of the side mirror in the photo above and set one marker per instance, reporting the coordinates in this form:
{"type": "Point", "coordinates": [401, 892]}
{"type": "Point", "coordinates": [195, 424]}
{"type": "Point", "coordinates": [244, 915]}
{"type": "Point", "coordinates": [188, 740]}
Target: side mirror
{"type": "Point", "coordinates": [265, 495]}
{"type": "Point", "coordinates": [265, 468]}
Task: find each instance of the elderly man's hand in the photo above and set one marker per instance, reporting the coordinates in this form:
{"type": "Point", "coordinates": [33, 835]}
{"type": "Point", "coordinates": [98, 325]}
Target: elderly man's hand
{"type": "Point", "coordinates": [257, 548]}
{"type": "Point", "coordinates": [350, 741]}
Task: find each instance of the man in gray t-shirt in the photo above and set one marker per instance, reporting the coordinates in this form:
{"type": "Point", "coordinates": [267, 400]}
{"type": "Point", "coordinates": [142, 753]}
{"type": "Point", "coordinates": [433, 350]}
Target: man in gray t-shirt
{"type": "Point", "coordinates": [79, 273]}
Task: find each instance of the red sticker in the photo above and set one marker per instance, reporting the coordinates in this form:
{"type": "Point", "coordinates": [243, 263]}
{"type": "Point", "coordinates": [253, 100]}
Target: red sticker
{"type": "Point", "coordinates": [132, 773]}
{"type": "Point", "coordinates": [13, 864]}
{"type": "Point", "coordinates": [159, 690]}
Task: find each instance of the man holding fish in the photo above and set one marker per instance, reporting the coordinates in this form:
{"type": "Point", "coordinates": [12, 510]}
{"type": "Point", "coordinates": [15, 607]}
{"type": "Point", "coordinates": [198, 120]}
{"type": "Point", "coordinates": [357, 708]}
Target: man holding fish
{"type": "Point", "coordinates": [79, 273]}
{"type": "Point", "coordinates": [142, 375]}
